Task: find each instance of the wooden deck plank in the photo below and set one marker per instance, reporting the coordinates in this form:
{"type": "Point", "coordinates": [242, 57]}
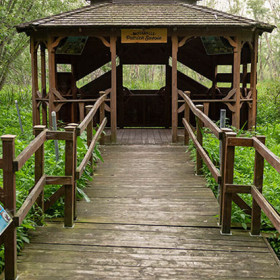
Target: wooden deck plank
{"type": "Point", "coordinates": [149, 217]}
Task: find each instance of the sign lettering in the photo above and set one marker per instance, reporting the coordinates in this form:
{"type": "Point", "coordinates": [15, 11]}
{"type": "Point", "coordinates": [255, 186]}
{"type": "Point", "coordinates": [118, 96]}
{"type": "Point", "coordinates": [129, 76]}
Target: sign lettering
{"type": "Point", "coordinates": [153, 35]}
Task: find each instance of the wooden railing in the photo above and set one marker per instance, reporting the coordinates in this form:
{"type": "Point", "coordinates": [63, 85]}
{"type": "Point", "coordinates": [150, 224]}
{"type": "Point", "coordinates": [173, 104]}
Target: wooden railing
{"type": "Point", "coordinates": [224, 175]}
{"type": "Point", "coordinates": [11, 164]}
{"type": "Point", "coordinates": [259, 201]}
{"type": "Point", "coordinates": [201, 120]}
{"type": "Point", "coordinates": [87, 124]}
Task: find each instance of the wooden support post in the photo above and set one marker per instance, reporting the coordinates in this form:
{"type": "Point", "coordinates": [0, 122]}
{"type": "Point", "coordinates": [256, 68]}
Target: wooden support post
{"type": "Point", "coordinates": [89, 131]}
{"type": "Point", "coordinates": [9, 185]}
{"type": "Point", "coordinates": [227, 179]}
{"type": "Point", "coordinates": [236, 83]}
{"type": "Point", "coordinates": [187, 117]}
{"type": "Point", "coordinates": [52, 77]}
{"type": "Point", "coordinates": [101, 118]}
{"type": "Point", "coordinates": [113, 48]}
{"type": "Point", "coordinates": [75, 167]}
{"type": "Point", "coordinates": [35, 86]}
{"type": "Point", "coordinates": [174, 88]}
{"type": "Point", "coordinates": [199, 136]}
{"type": "Point", "coordinates": [253, 82]}
{"type": "Point", "coordinates": [70, 169]}
{"type": "Point", "coordinates": [258, 182]}
{"type": "Point", "coordinates": [222, 169]}
{"type": "Point", "coordinates": [44, 85]}
{"type": "Point", "coordinates": [39, 170]}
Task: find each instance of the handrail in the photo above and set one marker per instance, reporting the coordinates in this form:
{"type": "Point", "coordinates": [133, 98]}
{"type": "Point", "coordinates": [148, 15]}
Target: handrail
{"type": "Point", "coordinates": [204, 118]}
{"type": "Point", "coordinates": [11, 165]}
{"type": "Point", "coordinates": [26, 154]}
{"type": "Point", "coordinates": [29, 201]}
{"type": "Point", "coordinates": [271, 158]}
{"type": "Point", "coordinates": [229, 191]}
{"type": "Point", "coordinates": [80, 169]}
{"type": "Point", "coordinates": [214, 171]}
{"type": "Point", "coordinates": [83, 125]}
{"type": "Point", "coordinates": [270, 212]}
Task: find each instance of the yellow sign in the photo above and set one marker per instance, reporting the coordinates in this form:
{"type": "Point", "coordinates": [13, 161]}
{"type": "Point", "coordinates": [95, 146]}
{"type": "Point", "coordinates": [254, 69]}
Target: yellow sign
{"type": "Point", "coordinates": [151, 35]}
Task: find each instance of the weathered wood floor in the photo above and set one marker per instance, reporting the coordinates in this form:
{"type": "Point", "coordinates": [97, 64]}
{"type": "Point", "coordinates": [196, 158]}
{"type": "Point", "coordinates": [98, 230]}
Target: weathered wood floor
{"type": "Point", "coordinates": [149, 217]}
{"type": "Point", "coordinates": [145, 136]}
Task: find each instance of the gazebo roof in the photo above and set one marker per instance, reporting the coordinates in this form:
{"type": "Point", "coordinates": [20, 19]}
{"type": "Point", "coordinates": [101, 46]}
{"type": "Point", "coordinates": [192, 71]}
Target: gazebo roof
{"type": "Point", "coordinates": [108, 14]}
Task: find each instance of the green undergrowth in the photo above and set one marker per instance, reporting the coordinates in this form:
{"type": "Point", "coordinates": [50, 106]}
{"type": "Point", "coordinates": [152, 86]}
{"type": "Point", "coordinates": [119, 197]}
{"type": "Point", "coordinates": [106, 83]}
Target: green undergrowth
{"type": "Point", "coordinates": [9, 124]}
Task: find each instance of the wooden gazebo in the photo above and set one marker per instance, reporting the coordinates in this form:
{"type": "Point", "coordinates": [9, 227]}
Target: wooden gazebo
{"type": "Point", "coordinates": [161, 32]}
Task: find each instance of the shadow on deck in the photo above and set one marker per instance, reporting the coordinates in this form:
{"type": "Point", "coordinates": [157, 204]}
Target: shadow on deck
{"type": "Point", "coordinates": [149, 217]}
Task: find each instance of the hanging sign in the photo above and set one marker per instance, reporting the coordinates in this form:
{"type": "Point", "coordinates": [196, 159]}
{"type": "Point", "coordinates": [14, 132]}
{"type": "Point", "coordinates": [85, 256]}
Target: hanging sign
{"type": "Point", "coordinates": [5, 219]}
{"type": "Point", "coordinates": [151, 35]}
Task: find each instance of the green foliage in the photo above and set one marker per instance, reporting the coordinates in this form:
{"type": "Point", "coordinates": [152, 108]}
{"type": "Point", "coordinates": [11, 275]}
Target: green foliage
{"type": "Point", "coordinates": [12, 44]}
{"type": "Point", "coordinates": [25, 177]}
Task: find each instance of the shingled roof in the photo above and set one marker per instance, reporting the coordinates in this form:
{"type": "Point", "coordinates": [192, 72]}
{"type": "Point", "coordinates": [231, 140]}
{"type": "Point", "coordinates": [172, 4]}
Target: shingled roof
{"type": "Point", "coordinates": [155, 14]}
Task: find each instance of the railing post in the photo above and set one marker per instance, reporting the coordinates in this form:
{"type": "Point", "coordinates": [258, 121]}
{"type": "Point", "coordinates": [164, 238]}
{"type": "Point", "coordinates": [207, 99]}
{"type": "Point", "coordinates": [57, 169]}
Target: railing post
{"type": "Point", "coordinates": [187, 117]}
{"type": "Point", "coordinates": [102, 116]}
{"type": "Point", "coordinates": [9, 184]}
{"type": "Point", "coordinates": [227, 179]}
{"type": "Point", "coordinates": [89, 131]}
{"type": "Point", "coordinates": [70, 150]}
{"type": "Point", "coordinates": [199, 136]}
{"type": "Point", "coordinates": [75, 167]}
{"type": "Point", "coordinates": [39, 170]}
{"type": "Point", "coordinates": [258, 182]}
{"type": "Point", "coordinates": [223, 142]}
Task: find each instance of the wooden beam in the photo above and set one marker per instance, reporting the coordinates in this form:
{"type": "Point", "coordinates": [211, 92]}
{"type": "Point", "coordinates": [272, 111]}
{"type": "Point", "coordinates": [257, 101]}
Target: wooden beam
{"type": "Point", "coordinates": [113, 49]}
{"type": "Point", "coordinates": [52, 77]}
{"type": "Point", "coordinates": [236, 82]}
{"type": "Point", "coordinates": [174, 88]}
{"type": "Point", "coordinates": [35, 86]}
{"type": "Point", "coordinates": [44, 84]}
{"type": "Point", "coordinates": [253, 82]}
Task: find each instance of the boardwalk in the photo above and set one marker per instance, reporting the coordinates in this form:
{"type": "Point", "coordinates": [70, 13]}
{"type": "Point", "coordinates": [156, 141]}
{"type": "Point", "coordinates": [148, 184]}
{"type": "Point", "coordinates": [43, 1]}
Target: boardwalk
{"type": "Point", "coordinates": [149, 217]}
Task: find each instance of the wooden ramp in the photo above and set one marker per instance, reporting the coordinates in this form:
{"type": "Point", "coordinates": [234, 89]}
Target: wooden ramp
{"type": "Point", "coordinates": [149, 217]}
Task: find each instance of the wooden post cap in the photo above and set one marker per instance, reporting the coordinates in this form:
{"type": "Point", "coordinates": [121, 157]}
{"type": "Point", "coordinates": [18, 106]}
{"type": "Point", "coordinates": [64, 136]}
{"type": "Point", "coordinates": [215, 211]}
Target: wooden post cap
{"type": "Point", "coordinates": [39, 127]}
{"type": "Point", "coordinates": [73, 124]}
{"type": "Point", "coordinates": [8, 137]}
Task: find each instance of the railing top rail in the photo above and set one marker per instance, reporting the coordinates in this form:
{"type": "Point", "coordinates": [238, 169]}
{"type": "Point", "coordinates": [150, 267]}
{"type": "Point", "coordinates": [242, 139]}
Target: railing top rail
{"type": "Point", "coordinates": [34, 145]}
{"type": "Point", "coordinates": [204, 118]}
{"type": "Point", "coordinates": [83, 125]}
